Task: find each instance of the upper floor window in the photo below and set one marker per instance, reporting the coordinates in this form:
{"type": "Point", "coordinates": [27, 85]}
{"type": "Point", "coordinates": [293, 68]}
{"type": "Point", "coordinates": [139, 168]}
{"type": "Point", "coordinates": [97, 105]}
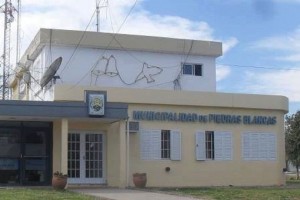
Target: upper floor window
{"type": "Point", "coordinates": [192, 69]}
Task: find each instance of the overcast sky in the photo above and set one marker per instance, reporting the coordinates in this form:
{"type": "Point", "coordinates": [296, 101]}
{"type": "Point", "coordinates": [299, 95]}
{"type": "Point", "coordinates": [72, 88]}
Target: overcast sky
{"type": "Point", "coordinates": [261, 38]}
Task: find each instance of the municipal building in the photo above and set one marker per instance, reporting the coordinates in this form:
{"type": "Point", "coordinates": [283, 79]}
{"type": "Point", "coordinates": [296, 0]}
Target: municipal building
{"type": "Point", "coordinates": [101, 107]}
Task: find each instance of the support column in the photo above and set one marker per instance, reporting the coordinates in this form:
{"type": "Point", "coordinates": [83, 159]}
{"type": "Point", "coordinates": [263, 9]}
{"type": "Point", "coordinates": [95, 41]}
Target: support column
{"type": "Point", "coordinates": [123, 163]}
{"type": "Point", "coordinates": [64, 146]}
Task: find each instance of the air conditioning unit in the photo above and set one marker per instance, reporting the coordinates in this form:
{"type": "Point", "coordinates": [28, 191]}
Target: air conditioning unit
{"type": "Point", "coordinates": [134, 127]}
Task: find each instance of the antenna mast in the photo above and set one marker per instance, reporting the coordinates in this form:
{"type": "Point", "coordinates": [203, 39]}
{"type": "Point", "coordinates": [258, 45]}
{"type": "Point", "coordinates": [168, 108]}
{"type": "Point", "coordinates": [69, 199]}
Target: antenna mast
{"type": "Point", "coordinates": [98, 13]}
{"type": "Point", "coordinates": [8, 10]}
{"type": "Point", "coordinates": [18, 32]}
{"type": "Point", "coordinates": [98, 8]}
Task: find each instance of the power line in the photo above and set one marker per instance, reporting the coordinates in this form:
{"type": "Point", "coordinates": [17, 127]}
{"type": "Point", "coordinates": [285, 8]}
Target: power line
{"type": "Point", "coordinates": [176, 81]}
{"type": "Point", "coordinates": [78, 44]}
{"type": "Point", "coordinates": [110, 17]}
{"type": "Point", "coordinates": [159, 84]}
{"type": "Point", "coordinates": [29, 85]}
{"type": "Point", "coordinates": [257, 67]}
{"type": "Point", "coordinates": [113, 38]}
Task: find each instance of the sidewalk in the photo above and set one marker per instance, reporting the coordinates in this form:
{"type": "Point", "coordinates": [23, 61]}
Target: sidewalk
{"type": "Point", "coordinates": [127, 194]}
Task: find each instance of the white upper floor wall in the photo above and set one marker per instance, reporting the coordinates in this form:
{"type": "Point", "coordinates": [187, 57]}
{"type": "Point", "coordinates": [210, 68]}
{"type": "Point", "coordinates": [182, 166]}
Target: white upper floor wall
{"type": "Point", "coordinates": [115, 60]}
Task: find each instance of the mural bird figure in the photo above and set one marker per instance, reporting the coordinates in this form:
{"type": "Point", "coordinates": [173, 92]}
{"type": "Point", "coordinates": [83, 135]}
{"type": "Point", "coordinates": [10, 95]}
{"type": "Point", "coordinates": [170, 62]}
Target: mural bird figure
{"type": "Point", "coordinates": [148, 72]}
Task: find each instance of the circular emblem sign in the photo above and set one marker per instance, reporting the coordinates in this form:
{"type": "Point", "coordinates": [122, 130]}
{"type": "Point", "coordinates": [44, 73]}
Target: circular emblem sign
{"type": "Point", "coordinates": [96, 104]}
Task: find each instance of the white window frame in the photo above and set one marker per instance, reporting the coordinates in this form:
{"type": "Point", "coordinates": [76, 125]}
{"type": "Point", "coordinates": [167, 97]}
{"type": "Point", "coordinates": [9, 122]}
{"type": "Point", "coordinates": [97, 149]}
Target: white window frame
{"type": "Point", "coordinates": [151, 145]}
{"type": "Point", "coordinates": [223, 146]}
{"type": "Point", "coordinates": [193, 69]}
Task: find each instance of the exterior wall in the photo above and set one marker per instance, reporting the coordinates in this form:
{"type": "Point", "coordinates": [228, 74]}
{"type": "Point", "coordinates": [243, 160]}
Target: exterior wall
{"type": "Point", "coordinates": [117, 60]}
{"type": "Point", "coordinates": [176, 98]}
{"type": "Point", "coordinates": [129, 68]}
{"type": "Point", "coordinates": [60, 147]}
{"type": "Point", "coordinates": [57, 129]}
{"type": "Point", "coordinates": [155, 63]}
{"type": "Point", "coordinates": [113, 155]}
{"type": "Point", "coordinates": [190, 172]}
{"type": "Point", "coordinates": [15, 91]}
{"type": "Point", "coordinates": [37, 69]}
{"type": "Point", "coordinates": [114, 152]}
{"type": "Point", "coordinates": [116, 155]}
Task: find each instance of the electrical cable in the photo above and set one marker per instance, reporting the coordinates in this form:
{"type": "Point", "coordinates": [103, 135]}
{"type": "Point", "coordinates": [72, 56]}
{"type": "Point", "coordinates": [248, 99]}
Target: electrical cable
{"type": "Point", "coordinates": [50, 45]}
{"type": "Point", "coordinates": [110, 18]}
{"type": "Point", "coordinates": [78, 44]}
{"type": "Point", "coordinates": [28, 84]}
{"type": "Point", "coordinates": [99, 58]}
{"type": "Point", "coordinates": [35, 94]}
{"type": "Point", "coordinates": [159, 84]}
{"type": "Point", "coordinates": [177, 85]}
{"type": "Point", "coordinates": [258, 67]}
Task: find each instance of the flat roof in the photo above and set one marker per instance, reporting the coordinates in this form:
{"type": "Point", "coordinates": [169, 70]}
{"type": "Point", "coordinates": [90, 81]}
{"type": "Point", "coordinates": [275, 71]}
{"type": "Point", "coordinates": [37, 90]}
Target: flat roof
{"type": "Point", "coordinates": [120, 42]}
{"type": "Point", "coordinates": [114, 41]}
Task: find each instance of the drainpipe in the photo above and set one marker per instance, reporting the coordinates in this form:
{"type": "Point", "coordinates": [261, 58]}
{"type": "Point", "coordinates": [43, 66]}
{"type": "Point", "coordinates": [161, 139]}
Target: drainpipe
{"type": "Point", "coordinates": [127, 152]}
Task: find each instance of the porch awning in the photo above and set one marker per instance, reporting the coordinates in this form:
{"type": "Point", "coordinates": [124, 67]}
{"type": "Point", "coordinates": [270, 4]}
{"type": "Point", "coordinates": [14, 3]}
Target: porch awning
{"type": "Point", "coordinates": [51, 109]}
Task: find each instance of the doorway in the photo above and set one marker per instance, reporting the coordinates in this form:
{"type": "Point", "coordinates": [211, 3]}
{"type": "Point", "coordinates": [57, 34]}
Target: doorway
{"type": "Point", "coordinates": [86, 158]}
{"type": "Point", "coordinates": [25, 156]}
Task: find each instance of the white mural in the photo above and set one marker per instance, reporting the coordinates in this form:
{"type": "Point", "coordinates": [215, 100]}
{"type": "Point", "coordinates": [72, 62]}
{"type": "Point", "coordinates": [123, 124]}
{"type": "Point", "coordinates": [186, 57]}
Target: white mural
{"type": "Point", "coordinates": [148, 72]}
{"type": "Point", "coordinates": [107, 66]}
{"type": "Point", "coordinates": [110, 67]}
{"type": "Point", "coordinates": [116, 68]}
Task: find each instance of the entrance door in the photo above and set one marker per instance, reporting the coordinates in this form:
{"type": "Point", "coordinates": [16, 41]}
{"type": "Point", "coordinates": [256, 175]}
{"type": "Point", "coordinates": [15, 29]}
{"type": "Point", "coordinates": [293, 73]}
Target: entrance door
{"type": "Point", "coordinates": [10, 155]}
{"type": "Point", "coordinates": [25, 156]}
{"type": "Point", "coordinates": [35, 156]}
{"type": "Point", "coordinates": [85, 158]}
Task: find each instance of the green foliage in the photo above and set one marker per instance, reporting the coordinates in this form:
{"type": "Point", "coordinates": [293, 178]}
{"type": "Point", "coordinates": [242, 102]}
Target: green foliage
{"type": "Point", "coordinates": [292, 178]}
{"type": "Point", "coordinates": [246, 193]}
{"type": "Point", "coordinates": [60, 174]}
{"type": "Point", "coordinates": [45, 194]}
{"type": "Point", "coordinates": [292, 139]}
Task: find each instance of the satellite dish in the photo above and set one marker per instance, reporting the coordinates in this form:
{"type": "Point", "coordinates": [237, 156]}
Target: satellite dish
{"type": "Point", "coordinates": [50, 72]}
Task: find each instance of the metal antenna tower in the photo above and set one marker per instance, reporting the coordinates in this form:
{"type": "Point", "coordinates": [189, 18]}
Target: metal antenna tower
{"type": "Point", "coordinates": [98, 8]}
{"type": "Point", "coordinates": [8, 10]}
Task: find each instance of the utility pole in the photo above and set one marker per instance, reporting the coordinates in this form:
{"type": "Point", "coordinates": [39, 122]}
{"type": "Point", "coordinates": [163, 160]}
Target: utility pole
{"type": "Point", "coordinates": [8, 10]}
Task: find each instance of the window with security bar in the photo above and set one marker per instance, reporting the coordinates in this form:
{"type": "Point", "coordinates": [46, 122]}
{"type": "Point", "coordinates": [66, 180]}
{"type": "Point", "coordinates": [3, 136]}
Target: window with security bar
{"type": "Point", "coordinates": [160, 144]}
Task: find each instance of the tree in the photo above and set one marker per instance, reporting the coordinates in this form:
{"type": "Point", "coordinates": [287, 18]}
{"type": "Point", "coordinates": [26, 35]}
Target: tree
{"type": "Point", "coordinates": [292, 140]}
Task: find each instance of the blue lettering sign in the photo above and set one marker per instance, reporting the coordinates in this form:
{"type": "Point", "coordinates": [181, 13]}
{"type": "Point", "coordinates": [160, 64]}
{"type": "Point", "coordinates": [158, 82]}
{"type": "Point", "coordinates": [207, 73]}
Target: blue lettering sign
{"type": "Point", "coordinates": [211, 118]}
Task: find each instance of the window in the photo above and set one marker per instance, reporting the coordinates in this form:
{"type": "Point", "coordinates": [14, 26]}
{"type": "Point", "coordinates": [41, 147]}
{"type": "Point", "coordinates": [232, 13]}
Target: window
{"type": "Point", "coordinates": [259, 146]}
{"type": "Point", "coordinates": [192, 69]}
{"type": "Point", "coordinates": [209, 145]}
{"type": "Point", "coordinates": [213, 145]}
{"type": "Point", "coordinates": [160, 145]}
{"type": "Point", "coordinates": [165, 143]}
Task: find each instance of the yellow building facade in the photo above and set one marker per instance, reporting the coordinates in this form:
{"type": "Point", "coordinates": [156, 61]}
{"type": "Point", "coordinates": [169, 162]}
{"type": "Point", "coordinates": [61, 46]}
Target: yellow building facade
{"type": "Point", "coordinates": [147, 105]}
{"type": "Point", "coordinates": [247, 119]}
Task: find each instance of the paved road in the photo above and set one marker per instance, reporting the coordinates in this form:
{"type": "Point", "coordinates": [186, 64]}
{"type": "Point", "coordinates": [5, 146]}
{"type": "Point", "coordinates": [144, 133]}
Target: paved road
{"type": "Point", "coordinates": [127, 194]}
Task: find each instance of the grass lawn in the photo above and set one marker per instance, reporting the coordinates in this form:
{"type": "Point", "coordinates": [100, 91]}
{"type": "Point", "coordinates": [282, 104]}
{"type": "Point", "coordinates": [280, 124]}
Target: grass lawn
{"type": "Point", "coordinates": [40, 194]}
{"type": "Point", "coordinates": [264, 193]}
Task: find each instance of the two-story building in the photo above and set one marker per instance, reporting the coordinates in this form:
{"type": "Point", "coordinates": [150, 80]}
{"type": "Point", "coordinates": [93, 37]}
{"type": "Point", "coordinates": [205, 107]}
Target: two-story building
{"type": "Point", "coordinates": [102, 106]}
